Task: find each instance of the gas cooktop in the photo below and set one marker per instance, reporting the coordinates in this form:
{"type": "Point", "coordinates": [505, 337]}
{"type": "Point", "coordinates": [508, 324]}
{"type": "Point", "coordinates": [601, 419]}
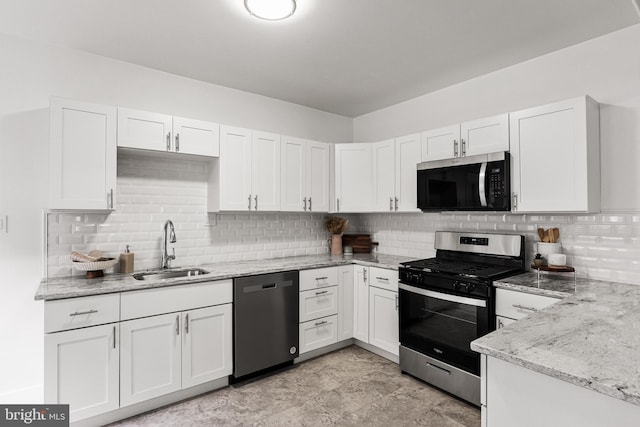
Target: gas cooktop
{"type": "Point", "coordinates": [462, 268]}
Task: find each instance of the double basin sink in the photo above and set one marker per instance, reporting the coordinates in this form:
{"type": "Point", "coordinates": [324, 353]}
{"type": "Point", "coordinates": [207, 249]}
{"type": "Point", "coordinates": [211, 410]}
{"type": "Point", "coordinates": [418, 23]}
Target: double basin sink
{"type": "Point", "coordinates": [169, 274]}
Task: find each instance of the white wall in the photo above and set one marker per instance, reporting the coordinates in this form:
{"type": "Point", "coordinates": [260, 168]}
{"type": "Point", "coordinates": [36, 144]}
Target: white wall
{"type": "Point", "coordinates": [607, 68]}
{"type": "Point", "coordinates": [29, 74]}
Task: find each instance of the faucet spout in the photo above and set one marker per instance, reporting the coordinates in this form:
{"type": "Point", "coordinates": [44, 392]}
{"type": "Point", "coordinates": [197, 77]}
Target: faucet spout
{"type": "Point", "coordinates": [168, 235]}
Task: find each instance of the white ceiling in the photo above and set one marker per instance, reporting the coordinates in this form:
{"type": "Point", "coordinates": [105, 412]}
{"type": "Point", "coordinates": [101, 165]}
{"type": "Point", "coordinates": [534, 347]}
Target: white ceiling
{"type": "Point", "coordinates": [348, 57]}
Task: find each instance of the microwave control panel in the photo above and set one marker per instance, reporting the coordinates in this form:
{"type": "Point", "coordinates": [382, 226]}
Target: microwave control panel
{"type": "Point", "coordinates": [498, 195]}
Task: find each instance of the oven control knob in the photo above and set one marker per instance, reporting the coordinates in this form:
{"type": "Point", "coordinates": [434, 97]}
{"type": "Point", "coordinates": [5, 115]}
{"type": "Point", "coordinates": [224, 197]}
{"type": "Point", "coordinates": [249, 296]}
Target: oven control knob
{"type": "Point", "coordinates": [470, 287]}
{"type": "Point", "coordinates": [456, 286]}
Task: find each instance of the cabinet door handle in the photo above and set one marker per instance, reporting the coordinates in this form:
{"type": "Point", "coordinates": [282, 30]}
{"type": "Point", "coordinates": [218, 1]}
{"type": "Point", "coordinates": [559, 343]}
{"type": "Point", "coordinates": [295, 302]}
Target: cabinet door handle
{"type": "Point", "coordinates": [305, 204]}
{"type": "Point", "coordinates": [463, 151]}
{"type": "Point", "coordinates": [524, 307]}
{"type": "Point", "coordinates": [114, 336]}
{"type": "Point", "coordinates": [168, 141]}
{"type": "Point", "coordinates": [338, 201]}
{"type": "Point", "coordinates": [177, 324]}
{"type": "Point", "coordinates": [81, 313]}
{"type": "Point", "coordinates": [500, 324]}
{"type": "Point", "coordinates": [110, 199]}
{"type": "Point", "coordinates": [397, 302]}
{"type": "Point", "coordinates": [364, 274]}
{"type": "Point", "coordinates": [249, 201]}
{"type": "Point", "coordinates": [177, 142]}
{"type": "Point", "coordinates": [322, 292]}
{"type": "Point", "coordinates": [396, 204]}
{"type": "Point", "coordinates": [391, 203]}
{"type": "Point", "coordinates": [455, 148]}
{"type": "Point", "coordinates": [256, 200]}
{"type": "Point", "coordinates": [186, 323]}
{"type": "Point", "coordinates": [322, 278]}
{"type": "Point", "coordinates": [515, 201]}
{"type": "Point", "coordinates": [324, 322]}
{"type": "Point", "coordinates": [309, 204]}
{"type": "Point", "coordinates": [382, 278]}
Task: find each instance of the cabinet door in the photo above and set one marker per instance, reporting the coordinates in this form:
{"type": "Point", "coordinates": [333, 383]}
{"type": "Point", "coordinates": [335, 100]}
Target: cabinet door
{"type": "Point", "coordinates": [408, 153]}
{"type": "Point", "coordinates": [235, 169]}
{"type": "Point", "coordinates": [207, 352]}
{"type": "Point", "coordinates": [345, 302]}
{"type": "Point", "coordinates": [265, 171]}
{"type": "Point", "coordinates": [486, 135]}
{"type": "Point", "coordinates": [196, 137]}
{"type": "Point", "coordinates": [354, 177]}
{"type": "Point", "coordinates": [383, 319]}
{"type": "Point", "coordinates": [293, 189]}
{"type": "Point", "coordinates": [555, 151]}
{"type": "Point", "coordinates": [82, 155]}
{"type": "Point", "coordinates": [81, 369]}
{"type": "Point", "coordinates": [150, 358]}
{"type": "Point", "coordinates": [144, 130]}
{"type": "Point", "coordinates": [384, 176]}
{"type": "Point", "coordinates": [441, 143]}
{"type": "Point", "coordinates": [361, 304]}
{"type": "Point", "coordinates": [317, 177]}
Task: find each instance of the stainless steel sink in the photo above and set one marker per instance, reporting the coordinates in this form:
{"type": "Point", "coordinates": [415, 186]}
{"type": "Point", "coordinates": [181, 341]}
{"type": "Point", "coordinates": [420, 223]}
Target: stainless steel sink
{"type": "Point", "coordinates": [169, 274]}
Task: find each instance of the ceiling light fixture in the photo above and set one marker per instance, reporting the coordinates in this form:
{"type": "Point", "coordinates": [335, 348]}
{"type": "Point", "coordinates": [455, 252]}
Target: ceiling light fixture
{"type": "Point", "coordinates": [271, 10]}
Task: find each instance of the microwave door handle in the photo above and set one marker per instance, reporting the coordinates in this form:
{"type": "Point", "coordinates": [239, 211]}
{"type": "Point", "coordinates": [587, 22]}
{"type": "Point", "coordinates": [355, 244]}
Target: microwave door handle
{"type": "Point", "coordinates": [481, 184]}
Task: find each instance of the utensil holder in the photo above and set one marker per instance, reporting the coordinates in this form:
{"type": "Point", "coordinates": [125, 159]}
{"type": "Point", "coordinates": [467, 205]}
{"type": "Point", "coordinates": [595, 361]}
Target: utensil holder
{"type": "Point", "coordinates": [545, 249]}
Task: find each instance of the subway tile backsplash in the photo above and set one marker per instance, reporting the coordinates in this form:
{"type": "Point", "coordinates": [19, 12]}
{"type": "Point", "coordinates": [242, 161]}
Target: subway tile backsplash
{"type": "Point", "coordinates": [152, 189]}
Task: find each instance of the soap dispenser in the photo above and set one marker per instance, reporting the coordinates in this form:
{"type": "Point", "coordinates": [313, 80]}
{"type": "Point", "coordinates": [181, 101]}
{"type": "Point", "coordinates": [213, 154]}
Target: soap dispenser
{"type": "Point", "coordinates": [126, 261]}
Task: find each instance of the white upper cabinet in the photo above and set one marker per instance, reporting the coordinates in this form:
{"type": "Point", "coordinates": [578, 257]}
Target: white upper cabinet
{"type": "Point", "coordinates": [481, 136]}
{"type": "Point", "coordinates": [159, 132]}
{"type": "Point", "coordinates": [82, 155]}
{"type": "Point", "coordinates": [486, 135]}
{"type": "Point", "coordinates": [354, 177]}
{"type": "Point", "coordinates": [555, 152]}
{"type": "Point", "coordinates": [305, 175]}
{"type": "Point", "coordinates": [249, 171]}
{"type": "Point", "coordinates": [265, 171]}
{"type": "Point", "coordinates": [441, 143]}
{"type": "Point", "coordinates": [408, 153]}
{"type": "Point", "coordinates": [384, 177]}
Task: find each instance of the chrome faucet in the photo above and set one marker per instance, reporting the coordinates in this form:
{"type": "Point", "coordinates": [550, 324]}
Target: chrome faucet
{"type": "Point", "coordinates": [171, 236]}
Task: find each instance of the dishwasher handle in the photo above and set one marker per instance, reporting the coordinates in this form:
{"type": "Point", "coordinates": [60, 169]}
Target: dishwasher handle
{"type": "Point", "coordinates": [266, 286]}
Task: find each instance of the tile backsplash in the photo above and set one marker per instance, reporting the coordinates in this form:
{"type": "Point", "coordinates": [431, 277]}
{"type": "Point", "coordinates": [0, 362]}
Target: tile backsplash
{"type": "Point", "coordinates": [152, 189]}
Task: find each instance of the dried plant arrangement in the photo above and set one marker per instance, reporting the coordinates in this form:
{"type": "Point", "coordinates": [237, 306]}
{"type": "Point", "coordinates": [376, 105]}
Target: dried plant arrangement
{"type": "Point", "coordinates": [335, 224]}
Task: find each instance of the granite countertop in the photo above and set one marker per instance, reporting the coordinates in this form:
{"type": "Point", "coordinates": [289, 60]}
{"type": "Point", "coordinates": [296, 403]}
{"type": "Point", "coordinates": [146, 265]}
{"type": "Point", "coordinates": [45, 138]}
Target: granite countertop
{"type": "Point", "coordinates": [550, 285]}
{"type": "Point", "coordinates": [590, 338]}
{"type": "Point", "coordinates": [77, 286]}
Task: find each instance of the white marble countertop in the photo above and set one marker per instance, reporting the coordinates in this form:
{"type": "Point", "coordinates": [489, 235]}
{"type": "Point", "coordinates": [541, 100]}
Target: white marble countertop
{"type": "Point", "coordinates": [77, 286]}
{"type": "Point", "coordinates": [550, 285]}
{"type": "Point", "coordinates": [590, 338]}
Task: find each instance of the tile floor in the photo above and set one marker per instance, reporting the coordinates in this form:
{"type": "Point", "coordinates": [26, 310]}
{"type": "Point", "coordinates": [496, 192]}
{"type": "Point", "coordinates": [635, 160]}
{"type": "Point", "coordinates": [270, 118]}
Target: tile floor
{"type": "Point", "coordinates": [349, 387]}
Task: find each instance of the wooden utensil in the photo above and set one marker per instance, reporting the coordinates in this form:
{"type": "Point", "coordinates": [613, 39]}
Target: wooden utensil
{"type": "Point", "coordinates": [556, 234]}
{"type": "Point", "coordinates": [541, 234]}
{"type": "Point", "coordinates": [547, 237]}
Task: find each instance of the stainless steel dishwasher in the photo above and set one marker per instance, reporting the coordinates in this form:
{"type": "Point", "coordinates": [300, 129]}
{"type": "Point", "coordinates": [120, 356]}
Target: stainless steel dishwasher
{"type": "Point", "coordinates": [265, 321]}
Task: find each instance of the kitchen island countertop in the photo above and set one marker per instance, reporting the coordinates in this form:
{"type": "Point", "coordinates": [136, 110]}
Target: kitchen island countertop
{"type": "Point", "coordinates": [590, 338]}
{"type": "Point", "coordinates": [78, 286]}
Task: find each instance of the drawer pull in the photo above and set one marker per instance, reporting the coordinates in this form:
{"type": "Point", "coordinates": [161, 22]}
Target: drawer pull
{"type": "Point", "coordinates": [382, 278]}
{"type": "Point", "coordinates": [177, 324]}
{"type": "Point", "coordinates": [186, 324]}
{"type": "Point", "coordinates": [431, 365]}
{"type": "Point", "coordinates": [524, 307]}
{"type": "Point", "coordinates": [324, 322]}
{"type": "Point", "coordinates": [322, 278]}
{"type": "Point", "coordinates": [81, 313]}
{"type": "Point", "coordinates": [114, 336]}
{"type": "Point", "coordinates": [322, 292]}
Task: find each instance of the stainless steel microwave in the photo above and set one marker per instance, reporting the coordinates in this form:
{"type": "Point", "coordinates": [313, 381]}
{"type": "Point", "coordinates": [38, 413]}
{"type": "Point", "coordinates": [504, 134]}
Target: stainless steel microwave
{"type": "Point", "coordinates": [472, 183]}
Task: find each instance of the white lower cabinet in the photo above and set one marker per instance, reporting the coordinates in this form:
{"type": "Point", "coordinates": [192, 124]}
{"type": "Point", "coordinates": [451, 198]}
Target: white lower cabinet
{"type": "Point", "coordinates": [318, 333]}
{"type": "Point", "coordinates": [318, 303]}
{"type": "Point", "coordinates": [513, 305]}
{"type": "Point", "coordinates": [150, 358]}
{"type": "Point", "coordinates": [383, 319]}
{"type": "Point", "coordinates": [361, 303]}
{"type": "Point", "coordinates": [345, 302]}
{"type": "Point", "coordinates": [81, 369]}
{"type": "Point", "coordinates": [207, 351]}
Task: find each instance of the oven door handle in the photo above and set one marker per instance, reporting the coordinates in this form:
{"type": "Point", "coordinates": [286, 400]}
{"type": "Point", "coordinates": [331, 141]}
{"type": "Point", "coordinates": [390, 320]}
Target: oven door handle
{"type": "Point", "coordinates": [442, 296]}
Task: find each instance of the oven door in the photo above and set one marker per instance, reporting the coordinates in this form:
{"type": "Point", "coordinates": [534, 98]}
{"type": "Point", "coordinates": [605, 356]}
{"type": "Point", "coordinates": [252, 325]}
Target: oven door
{"type": "Point", "coordinates": [442, 325]}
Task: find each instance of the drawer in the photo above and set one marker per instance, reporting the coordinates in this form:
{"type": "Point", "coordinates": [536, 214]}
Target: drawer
{"type": "Point", "coordinates": [383, 278]}
{"type": "Point", "coordinates": [517, 305]}
{"type": "Point", "coordinates": [318, 278]}
{"type": "Point", "coordinates": [73, 313]}
{"type": "Point", "coordinates": [149, 302]}
{"type": "Point", "coordinates": [318, 333]}
{"type": "Point", "coordinates": [318, 303]}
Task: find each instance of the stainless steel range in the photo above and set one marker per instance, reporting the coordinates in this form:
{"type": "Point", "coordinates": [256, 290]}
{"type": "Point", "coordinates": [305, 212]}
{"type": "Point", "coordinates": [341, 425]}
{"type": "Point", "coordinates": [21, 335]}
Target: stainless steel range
{"type": "Point", "coordinates": [448, 301]}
